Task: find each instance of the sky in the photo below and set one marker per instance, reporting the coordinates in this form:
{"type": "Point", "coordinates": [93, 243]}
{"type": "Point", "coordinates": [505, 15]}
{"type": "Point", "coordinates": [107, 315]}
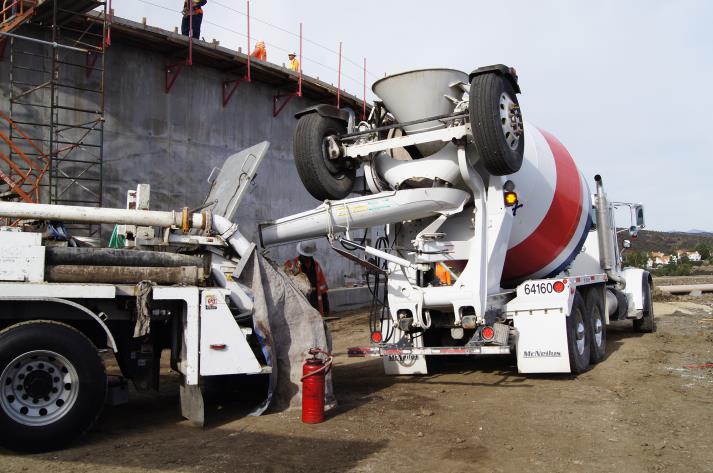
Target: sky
{"type": "Point", "coordinates": [622, 84]}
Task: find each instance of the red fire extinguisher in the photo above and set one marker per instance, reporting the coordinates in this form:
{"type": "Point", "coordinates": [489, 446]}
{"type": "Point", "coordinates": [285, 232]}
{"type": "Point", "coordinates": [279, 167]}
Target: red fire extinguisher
{"type": "Point", "coordinates": [313, 373]}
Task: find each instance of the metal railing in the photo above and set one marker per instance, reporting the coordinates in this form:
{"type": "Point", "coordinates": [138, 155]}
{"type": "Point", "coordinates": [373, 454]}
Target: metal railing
{"type": "Point", "coordinates": [13, 9]}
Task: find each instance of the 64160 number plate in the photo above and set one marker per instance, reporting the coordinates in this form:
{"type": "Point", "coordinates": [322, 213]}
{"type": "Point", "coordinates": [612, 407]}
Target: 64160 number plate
{"type": "Point", "coordinates": [538, 288]}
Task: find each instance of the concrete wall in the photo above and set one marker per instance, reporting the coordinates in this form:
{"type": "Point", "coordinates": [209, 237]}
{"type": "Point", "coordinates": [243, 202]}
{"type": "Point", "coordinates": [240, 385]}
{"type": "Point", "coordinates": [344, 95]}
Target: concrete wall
{"type": "Point", "coordinates": [173, 141]}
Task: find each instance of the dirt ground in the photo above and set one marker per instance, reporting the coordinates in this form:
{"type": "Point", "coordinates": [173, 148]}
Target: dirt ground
{"type": "Point", "coordinates": [643, 409]}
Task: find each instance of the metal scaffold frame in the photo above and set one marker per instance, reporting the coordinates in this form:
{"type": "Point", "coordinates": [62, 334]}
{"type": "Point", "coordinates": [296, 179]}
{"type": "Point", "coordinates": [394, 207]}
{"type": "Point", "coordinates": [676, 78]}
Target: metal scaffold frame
{"type": "Point", "coordinates": [57, 100]}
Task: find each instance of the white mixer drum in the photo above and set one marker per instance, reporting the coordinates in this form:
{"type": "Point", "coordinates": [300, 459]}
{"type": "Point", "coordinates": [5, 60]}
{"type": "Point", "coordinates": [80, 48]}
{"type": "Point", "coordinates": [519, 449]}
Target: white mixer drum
{"type": "Point", "coordinates": [549, 229]}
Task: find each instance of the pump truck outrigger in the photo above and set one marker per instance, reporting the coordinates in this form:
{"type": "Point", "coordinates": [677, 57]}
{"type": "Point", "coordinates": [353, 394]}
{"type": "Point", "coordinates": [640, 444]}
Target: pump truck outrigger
{"type": "Point", "coordinates": [492, 242]}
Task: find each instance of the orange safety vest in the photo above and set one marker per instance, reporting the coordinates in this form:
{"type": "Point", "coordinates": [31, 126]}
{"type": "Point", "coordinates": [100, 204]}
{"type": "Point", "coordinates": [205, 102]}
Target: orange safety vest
{"type": "Point", "coordinates": [293, 266]}
{"type": "Point", "coordinates": [197, 10]}
{"type": "Point", "coordinates": [295, 65]}
{"type": "Point", "coordinates": [260, 53]}
{"type": "Point", "coordinates": [443, 275]}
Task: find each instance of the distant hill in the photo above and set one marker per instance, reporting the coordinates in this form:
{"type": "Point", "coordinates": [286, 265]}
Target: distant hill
{"type": "Point", "coordinates": [700, 232]}
{"type": "Point", "coordinates": [667, 242]}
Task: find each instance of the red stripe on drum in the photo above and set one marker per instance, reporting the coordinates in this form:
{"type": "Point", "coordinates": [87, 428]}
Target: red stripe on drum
{"type": "Point", "coordinates": [557, 228]}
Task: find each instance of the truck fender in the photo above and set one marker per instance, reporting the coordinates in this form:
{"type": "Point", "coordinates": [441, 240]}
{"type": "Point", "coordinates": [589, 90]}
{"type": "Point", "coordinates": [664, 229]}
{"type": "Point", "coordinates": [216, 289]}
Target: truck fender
{"type": "Point", "coordinates": [329, 111]}
{"type": "Point", "coordinates": [500, 69]}
{"type": "Point", "coordinates": [79, 307]}
{"type": "Point", "coordinates": [634, 289]}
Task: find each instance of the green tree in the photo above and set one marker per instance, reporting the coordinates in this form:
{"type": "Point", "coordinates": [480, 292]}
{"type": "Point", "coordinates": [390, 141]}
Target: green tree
{"type": "Point", "coordinates": [637, 259]}
{"type": "Point", "coordinates": [704, 250]}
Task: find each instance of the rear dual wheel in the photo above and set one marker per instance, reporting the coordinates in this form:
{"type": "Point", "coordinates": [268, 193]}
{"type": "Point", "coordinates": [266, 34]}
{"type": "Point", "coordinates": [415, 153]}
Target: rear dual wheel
{"type": "Point", "coordinates": [596, 323]}
{"type": "Point", "coordinates": [586, 330]}
{"type": "Point", "coordinates": [578, 336]}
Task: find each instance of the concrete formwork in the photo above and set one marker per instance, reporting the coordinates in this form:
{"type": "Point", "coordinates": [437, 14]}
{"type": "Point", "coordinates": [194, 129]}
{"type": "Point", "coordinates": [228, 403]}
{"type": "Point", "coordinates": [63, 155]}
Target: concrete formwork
{"type": "Point", "coordinates": [173, 140]}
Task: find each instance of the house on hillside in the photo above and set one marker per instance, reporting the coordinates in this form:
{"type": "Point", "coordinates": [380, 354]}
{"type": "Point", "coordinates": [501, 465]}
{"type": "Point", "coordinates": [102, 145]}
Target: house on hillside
{"type": "Point", "coordinates": [691, 255]}
{"type": "Point", "coordinates": [657, 258]}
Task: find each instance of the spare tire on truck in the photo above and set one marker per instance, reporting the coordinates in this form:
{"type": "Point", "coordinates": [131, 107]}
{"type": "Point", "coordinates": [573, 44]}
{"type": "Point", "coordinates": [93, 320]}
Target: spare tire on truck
{"type": "Point", "coordinates": [496, 123]}
{"type": "Point", "coordinates": [324, 178]}
{"type": "Point", "coordinates": [52, 385]}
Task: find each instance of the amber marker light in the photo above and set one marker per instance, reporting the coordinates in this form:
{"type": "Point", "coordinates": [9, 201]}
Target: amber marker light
{"type": "Point", "coordinates": [510, 199]}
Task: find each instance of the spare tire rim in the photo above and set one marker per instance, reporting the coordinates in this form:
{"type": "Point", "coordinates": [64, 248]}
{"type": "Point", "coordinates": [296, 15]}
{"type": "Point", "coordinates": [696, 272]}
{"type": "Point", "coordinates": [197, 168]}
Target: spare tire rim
{"type": "Point", "coordinates": [38, 388]}
{"type": "Point", "coordinates": [510, 121]}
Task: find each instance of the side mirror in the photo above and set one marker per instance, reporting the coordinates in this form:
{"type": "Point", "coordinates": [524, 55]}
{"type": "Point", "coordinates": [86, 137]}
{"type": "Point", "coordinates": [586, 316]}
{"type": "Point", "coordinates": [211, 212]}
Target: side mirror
{"type": "Point", "coordinates": [633, 232]}
{"type": "Point", "coordinates": [627, 244]}
{"type": "Point", "coordinates": [639, 213]}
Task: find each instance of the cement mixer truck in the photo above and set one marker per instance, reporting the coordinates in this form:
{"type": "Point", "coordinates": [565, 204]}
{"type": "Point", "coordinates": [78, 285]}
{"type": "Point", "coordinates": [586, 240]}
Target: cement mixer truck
{"type": "Point", "coordinates": [487, 240]}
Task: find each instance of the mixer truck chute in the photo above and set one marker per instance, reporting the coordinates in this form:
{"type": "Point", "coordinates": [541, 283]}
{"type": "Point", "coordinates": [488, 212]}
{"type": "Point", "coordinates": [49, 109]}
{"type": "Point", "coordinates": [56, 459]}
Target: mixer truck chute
{"type": "Point", "coordinates": [486, 243]}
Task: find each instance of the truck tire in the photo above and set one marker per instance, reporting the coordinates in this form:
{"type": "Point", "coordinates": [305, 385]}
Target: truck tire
{"type": "Point", "coordinates": [496, 123]}
{"type": "Point", "coordinates": [596, 324]}
{"type": "Point", "coordinates": [324, 178]}
{"type": "Point", "coordinates": [53, 385]}
{"type": "Point", "coordinates": [578, 341]}
{"type": "Point", "coordinates": [647, 323]}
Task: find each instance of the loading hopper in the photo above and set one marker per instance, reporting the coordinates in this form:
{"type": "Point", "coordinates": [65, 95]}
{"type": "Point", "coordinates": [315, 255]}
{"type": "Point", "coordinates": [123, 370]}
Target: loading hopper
{"type": "Point", "coordinates": [420, 94]}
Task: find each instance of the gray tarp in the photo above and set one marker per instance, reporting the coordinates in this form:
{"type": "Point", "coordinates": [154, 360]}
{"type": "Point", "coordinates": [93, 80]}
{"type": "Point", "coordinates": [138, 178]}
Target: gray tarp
{"type": "Point", "coordinates": [288, 326]}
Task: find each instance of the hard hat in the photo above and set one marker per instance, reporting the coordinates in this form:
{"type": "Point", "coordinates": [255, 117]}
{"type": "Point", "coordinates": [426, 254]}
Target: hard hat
{"type": "Point", "coordinates": [307, 248]}
{"type": "Point", "coordinates": [260, 43]}
{"type": "Point", "coordinates": [291, 54]}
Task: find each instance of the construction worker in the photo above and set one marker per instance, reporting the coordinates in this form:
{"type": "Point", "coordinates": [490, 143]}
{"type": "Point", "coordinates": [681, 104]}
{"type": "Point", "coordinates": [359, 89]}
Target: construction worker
{"type": "Point", "coordinates": [306, 264]}
{"type": "Point", "coordinates": [294, 63]}
{"type": "Point", "coordinates": [259, 52]}
{"type": "Point", "coordinates": [197, 18]}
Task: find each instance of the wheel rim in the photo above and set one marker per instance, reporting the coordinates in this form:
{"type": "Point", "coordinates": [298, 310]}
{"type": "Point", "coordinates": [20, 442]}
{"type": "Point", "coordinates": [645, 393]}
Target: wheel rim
{"type": "Point", "coordinates": [580, 333]}
{"type": "Point", "coordinates": [510, 121]}
{"type": "Point", "coordinates": [598, 328]}
{"type": "Point", "coordinates": [334, 166]}
{"type": "Point", "coordinates": [38, 388]}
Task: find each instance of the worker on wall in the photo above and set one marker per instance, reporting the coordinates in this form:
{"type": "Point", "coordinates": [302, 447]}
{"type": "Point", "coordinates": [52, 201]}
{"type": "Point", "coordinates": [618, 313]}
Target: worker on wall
{"type": "Point", "coordinates": [294, 63]}
{"type": "Point", "coordinates": [197, 18]}
{"type": "Point", "coordinates": [259, 52]}
{"type": "Point", "coordinates": [305, 264]}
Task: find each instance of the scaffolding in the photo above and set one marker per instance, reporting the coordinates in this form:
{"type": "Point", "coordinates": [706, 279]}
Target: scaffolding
{"type": "Point", "coordinates": [56, 103]}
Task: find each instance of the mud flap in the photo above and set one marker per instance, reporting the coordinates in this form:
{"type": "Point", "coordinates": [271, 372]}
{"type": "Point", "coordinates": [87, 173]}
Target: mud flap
{"type": "Point", "coordinates": [542, 343]}
{"type": "Point", "coordinates": [405, 364]}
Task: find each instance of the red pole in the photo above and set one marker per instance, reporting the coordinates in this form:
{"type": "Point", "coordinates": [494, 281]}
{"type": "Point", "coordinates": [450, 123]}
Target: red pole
{"type": "Point", "coordinates": [108, 30]}
{"type": "Point", "coordinates": [248, 2]}
{"type": "Point", "coordinates": [339, 74]}
{"type": "Point", "coordinates": [190, 32]}
{"type": "Point", "coordinates": [363, 110]}
{"type": "Point", "coordinates": [299, 80]}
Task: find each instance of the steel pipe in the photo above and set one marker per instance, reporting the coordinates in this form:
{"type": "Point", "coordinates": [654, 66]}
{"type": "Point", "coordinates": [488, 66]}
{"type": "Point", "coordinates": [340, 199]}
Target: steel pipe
{"type": "Point", "coordinates": [686, 288]}
{"type": "Point", "coordinates": [77, 214]}
{"type": "Point", "coordinates": [58, 255]}
{"type": "Point", "coordinates": [189, 275]}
